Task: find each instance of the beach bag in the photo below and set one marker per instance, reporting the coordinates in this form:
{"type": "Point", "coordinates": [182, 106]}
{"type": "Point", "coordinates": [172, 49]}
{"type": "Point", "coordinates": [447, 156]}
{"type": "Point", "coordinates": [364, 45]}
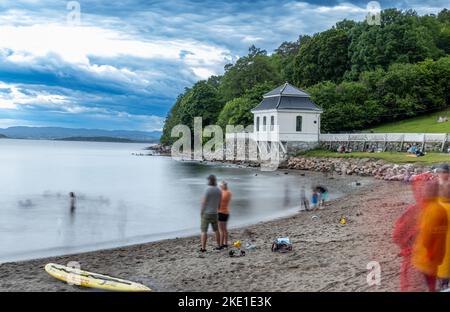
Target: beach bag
{"type": "Point", "coordinates": [282, 245]}
{"type": "Point", "coordinates": [236, 253]}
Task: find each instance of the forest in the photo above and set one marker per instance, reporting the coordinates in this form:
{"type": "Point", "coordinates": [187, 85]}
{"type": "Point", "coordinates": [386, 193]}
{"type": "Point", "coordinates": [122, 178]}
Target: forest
{"type": "Point", "coordinates": [361, 75]}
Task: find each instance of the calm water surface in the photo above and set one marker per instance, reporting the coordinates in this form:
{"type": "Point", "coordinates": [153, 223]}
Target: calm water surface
{"type": "Point", "coordinates": [121, 199]}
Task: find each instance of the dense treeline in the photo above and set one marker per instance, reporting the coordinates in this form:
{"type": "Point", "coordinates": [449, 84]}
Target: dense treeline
{"type": "Point", "coordinates": [360, 74]}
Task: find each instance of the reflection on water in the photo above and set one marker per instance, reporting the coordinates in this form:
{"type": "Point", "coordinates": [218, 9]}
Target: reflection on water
{"type": "Point", "coordinates": [120, 199]}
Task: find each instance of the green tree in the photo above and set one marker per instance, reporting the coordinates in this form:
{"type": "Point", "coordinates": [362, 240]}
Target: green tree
{"type": "Point", "coordinates": [200, 101]}
{"type": "Point", "coordinates": [403, 37]}
{"type": "Point", "coordinates": [172, 119]}
{"type": "Point", "coordinates": [360, 74]}
{"type": "Point", "coordinates": [238, 111]}
{"type": "Point", "coordinates": [323, 57]}
{"type": "Point", "coordinates": [284, 57]}
{"type": "Point", "coordinates": [345, 105]}
{"type": "Point", "coordinates": [250, 70]}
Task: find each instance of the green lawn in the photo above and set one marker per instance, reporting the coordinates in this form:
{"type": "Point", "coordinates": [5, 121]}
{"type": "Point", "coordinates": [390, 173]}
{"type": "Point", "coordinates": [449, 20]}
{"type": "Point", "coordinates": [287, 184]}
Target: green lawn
{"type": "Point", "coordinates": [391, 157]}
{"type": "Point", "coordinates": [422, 124]}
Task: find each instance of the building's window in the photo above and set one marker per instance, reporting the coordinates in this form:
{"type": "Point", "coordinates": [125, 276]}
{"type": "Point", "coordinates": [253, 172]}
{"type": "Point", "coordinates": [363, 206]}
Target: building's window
{"type": "Point", "coordinates": [272, 123]}
{"type": "Point", "coordinates": [264, 123]}
{"type": "Point", "coordinates": [257, 124]}
{"type": "Point", "coordinates": [298, 124]}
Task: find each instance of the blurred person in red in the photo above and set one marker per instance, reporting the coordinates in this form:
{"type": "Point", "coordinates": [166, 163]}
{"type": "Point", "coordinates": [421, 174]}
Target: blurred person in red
{"type": "Point", "coordinates": [444, 269]}
{"type": "Point", "coordinates": [429, 248]}
{"type": "Point", "coordinates": [405, 233]}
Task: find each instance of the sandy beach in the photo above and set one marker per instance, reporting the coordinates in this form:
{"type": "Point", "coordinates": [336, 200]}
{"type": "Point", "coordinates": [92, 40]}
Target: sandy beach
{"type": "Point", "coordinates": [327, 255]}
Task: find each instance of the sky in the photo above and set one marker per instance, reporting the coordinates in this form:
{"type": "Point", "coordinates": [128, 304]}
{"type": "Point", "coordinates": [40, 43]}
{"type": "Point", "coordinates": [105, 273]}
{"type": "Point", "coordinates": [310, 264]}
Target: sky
{"type": "Point", "coordinates": [121, 64]}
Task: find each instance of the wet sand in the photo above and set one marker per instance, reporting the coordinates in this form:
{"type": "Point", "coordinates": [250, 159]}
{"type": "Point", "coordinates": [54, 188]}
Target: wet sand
{"type": "Point", "coordinates": [327, 255]}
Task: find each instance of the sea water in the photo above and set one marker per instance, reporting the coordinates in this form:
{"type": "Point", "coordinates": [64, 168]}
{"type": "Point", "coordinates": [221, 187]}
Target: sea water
{"type": "Point", "coordinates": [121, 198]}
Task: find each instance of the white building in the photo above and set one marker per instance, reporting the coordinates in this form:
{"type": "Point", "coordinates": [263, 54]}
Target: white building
{"type": "Point", "coordinates": [288, 117]}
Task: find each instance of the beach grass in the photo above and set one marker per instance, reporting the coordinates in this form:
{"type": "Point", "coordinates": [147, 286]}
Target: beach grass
{"type": "Point", "coordinates": [391, 157]}
{"type": "Point", "coordinates": [423, 124]}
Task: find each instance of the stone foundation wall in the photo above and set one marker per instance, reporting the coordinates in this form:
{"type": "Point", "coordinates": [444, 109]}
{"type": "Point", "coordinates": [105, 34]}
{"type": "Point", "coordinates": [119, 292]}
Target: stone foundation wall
{"type": "Point", "coordinates": [293, 148]}
{"type": "Point", "coordinates": [376, 168]}
{"type": "Point", "coordinates": [385, 146]}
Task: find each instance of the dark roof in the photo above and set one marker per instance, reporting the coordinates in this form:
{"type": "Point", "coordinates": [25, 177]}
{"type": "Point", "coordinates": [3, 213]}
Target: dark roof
{"type": "Point", "coordinates": [287, 97]}
{"type": "Point", "coordinates": [288, 90]}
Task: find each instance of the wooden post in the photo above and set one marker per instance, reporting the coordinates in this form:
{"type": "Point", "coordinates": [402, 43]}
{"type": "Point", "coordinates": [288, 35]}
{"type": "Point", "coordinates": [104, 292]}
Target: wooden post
{"type": "Point", "coordinates": [443, 143]}
{"type": "Point", "coordinates": [423, 143]}
{"type": "Point", "coordinates": [385, 142]}
{"type": "Point", "coordinates": [403, 141]}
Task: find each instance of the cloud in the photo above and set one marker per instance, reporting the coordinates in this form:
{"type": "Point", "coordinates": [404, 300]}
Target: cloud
{"type": "Point", "coordinates": [76, 44]}
{"type": "Point", "coordinates": [124, 65]}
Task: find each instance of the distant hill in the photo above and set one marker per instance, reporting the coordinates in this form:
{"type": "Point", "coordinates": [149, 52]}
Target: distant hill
{"type": "Point", "coordinates": [423, 124]}
{"type": "Point", "coordinates": [3, 136]}
{"type": "Point", "coordinates": [98, 139]}
{"type": "Point", "coordinates": [55, 133]}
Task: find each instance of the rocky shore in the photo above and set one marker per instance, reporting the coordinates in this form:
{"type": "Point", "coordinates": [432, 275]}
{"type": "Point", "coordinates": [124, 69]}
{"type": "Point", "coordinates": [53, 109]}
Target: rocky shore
{"type": "Point", "coordinates": [376, 168]}
{"type": "Point", "coordinates": [159, 149]}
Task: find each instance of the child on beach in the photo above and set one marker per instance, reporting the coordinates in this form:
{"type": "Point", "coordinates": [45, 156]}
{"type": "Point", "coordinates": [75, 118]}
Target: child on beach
{"type": "Point", "coordinates": [314, 199]}
{"type": "Point", "coordinates": [304, 203]}
{"type": "Point", "coordinates": [224, 214]}
{"type": "Point", "coordinates": [323, 193]}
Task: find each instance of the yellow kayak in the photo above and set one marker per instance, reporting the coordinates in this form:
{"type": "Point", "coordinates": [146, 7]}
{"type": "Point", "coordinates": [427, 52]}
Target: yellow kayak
{"type": "Point", "coordinates": [92, 280]}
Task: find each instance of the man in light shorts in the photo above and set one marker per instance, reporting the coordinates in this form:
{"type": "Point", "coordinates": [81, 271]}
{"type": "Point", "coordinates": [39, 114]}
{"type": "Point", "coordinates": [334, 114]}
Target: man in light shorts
{"type": "Point", "coordinates": [209, 212]}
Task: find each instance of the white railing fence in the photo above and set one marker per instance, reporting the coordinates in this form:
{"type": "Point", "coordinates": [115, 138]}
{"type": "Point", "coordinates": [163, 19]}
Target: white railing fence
{"type": "Point", "coordinates": [438, 141]}
{"type": "Point", "coordinates": [385, 137]}
{"type": "Point", "coordinates": [422, 139]}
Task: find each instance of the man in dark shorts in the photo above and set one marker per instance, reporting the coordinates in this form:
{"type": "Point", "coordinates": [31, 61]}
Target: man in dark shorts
{"type": "Point", "coordinates": [209, 211]}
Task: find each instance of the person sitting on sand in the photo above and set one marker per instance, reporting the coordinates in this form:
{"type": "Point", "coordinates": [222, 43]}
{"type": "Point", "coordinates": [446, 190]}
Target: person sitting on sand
{"type": "Point", "coordinates": [209, 212]}
{"type": "Point", "coordinates": [419, 153]}
{"type": "Point", "coordinates": [412, 149]}
{"type": "Point", "coordinates": [224, 214]}
{"type": "Point", "coordinates": [341, 149]}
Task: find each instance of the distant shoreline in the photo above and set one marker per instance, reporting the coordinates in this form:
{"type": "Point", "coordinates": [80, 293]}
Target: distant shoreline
{"type": "Point", "coordinates": [104, 139]}
{"type": "Point", "coordinates": [80, 134]}
{"type": "Point", "coordinates": [84, 139]}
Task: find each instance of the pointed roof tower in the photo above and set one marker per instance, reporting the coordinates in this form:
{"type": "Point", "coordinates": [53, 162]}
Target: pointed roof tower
{"type": "Point", "coordinates": [287, 97]}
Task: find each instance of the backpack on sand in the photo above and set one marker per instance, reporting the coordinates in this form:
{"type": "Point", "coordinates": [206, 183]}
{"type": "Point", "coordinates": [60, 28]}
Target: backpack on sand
{"type": "Point", "coordinates": [282, 245]}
